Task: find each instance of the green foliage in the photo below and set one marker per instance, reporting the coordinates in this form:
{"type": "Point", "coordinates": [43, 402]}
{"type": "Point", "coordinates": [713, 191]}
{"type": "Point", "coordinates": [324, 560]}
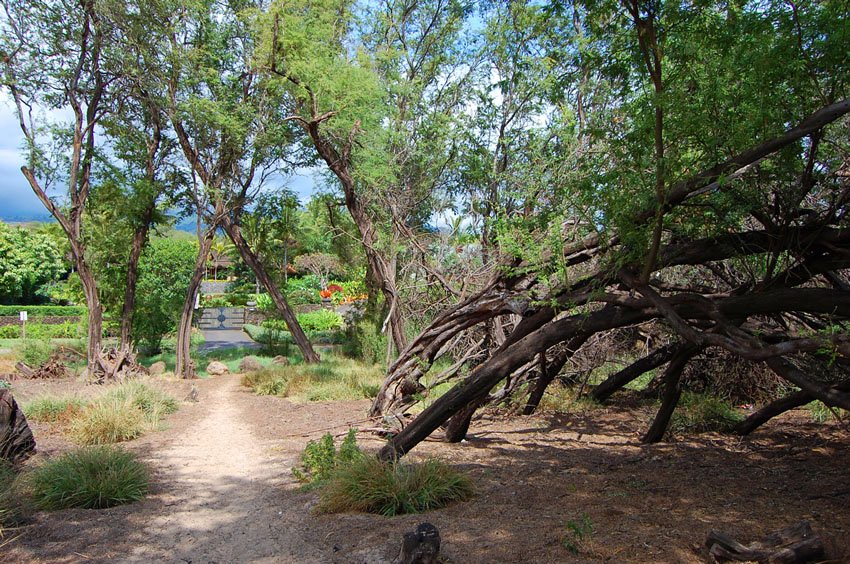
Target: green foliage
{"type": "Point", "coordinates": [578, 533]}
{"type": "Point", "coordinates": [369, 485]}
{"type": "Point", "coordinates": [699, 413]}
{"type": "Point", "coordinates": [151, 401]}
{"type": "Point", "coordinates": [311, 322]}
{"type": "Point", "coordinates": [304, 290]}
{"type": "Point", "coordinates": [334, 379]}
{"type": "Point", "coordinates": [821, 413]}
{"type": "Point", "coordinates": [9, 505]}
{"type": "Point", "coordinates": [320, 458]}
{"type": "Point", "coordinates": [364, 340]}
{"type": "Point", "coordinates": [565, 399]}
{"type": "Point", "coordinates": [92, 478]}
{"type": "Point", "coordinates": [10, 332]}
{"type": "Point", "coordinates": [44, 311]}
{"type": "Point", "coordinates": [5, 385]}
{"type": "Point", "coordinates": [165, 269]}
{"type": "Point", "coordinates": [28, 260]}
{"type": "Point", "coordinates": [34, 352]}
{"type": "Point", "coordinates": [53, 410]}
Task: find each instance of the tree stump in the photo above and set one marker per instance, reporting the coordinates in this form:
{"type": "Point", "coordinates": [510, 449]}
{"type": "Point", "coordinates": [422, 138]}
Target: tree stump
{"type": "Point", "coordinates": [421, 546]}
{"type": "Point", "coordinates": [796, 544]}
{"type": "Point", "coordinates": [16, 440]}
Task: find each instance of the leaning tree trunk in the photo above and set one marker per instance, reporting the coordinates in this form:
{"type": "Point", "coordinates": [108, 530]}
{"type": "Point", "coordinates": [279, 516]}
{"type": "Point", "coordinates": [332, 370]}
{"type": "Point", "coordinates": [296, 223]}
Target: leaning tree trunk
{"type": "Point", "coordinates": [282, 306]}
{"type": "Point", "coordinates": [185, 368]}
{"type": "Point", "coordinates": [672, 393]}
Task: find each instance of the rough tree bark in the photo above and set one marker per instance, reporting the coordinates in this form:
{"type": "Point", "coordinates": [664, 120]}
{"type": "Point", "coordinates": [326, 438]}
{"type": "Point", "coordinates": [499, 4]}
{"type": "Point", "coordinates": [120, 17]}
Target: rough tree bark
{"type": "Point", "coordinates": [672, 392]}
{"type": "Point", "coordinates": [633, 371]}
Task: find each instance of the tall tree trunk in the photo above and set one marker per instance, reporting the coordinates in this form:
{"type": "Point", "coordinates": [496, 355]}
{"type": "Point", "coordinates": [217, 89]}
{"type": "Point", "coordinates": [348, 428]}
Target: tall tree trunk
{"type": "Point", "coordinates": [184, 367]}
{"type": "Point", "coordinates": [95, 318]}
{"type": "Point", "coordinates": [140, 235]}
{"type": "Point", "coordinates": [277, 297]}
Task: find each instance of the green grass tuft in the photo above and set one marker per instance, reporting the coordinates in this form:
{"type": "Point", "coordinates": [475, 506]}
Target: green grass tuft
{"type": "Point", "coordinates": [700, 413]}
{"type": "Point", "coordinates": [821, 413]}
{"type": "Point", "coordinates": [53, 410]}
{"type": "Point", "coordinates": [122, 414]}
{"type": "Point", "coordinates": [335, 378]}
{"type": "Point", "coordinates": [369, 485]}
{"type": "Point", "coordinates": [94, 478]}
{"type": "Point", "coordinates": [107, 421]}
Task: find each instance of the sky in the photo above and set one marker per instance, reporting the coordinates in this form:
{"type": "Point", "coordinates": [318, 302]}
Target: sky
{"type": "Point", "coordinates": [19, 203]}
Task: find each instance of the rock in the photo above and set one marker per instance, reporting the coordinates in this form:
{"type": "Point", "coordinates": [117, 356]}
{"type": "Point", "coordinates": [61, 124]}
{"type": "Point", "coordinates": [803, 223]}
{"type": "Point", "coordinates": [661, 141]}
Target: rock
{"type": "Point", "coordinates": [281, 360]}
{"type": "Point", "coordinates": [157, 368]}
{"type": "Point", "coordinates": [421, 546]}
{"type": "Point", "coordinates": [16, 440]}
{"type": "Point", "coordinates": [249, 364]}
{"type": "Point", "coordinates": [216, 368]}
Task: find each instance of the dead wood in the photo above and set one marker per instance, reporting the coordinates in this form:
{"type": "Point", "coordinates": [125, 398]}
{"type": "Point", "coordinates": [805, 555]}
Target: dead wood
{"type": "Point", "coordinates": [632, 372]}
{"type": "Point", "coordinates": [421, 546]}
{"type": "Point", "coordinates": [796, 544]}
{"type": "Point", "coordinates": [16, 440]}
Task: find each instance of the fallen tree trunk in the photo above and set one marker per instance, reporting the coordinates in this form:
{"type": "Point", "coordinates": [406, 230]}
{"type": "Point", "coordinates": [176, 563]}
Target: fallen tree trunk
{"type": "Point", "coordinates": [778, 407]}
{"type": "Point", "coordinates": [796, 544]}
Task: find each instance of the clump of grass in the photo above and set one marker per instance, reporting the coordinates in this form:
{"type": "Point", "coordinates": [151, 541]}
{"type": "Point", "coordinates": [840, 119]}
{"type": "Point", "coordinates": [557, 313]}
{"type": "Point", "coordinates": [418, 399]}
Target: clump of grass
{"type": "Point", "coordinates": [565, 399]}
{"type": "Point", "coordinates": [150, 401]}
{"type": "Point", "coordinates": [10, 508]}
{"type": "Point", "coordinates": [94, 478]}
{"type": "Point", "coordinates": [821, 413]}
{"type": "Point", "coordinates": [121, 414]}
{"type": "Point", "coordinates": [34, 352]}
{"type": "Point", "coordinates": [108, 421]}
{"type": "Point", "coordinates": [335, 379]}
{"type": "Point", "coordinates": [369, 485]}
{"type": "Point", "coordinates": [699, 413]}
{"type": "Point", "coordinates": [53, 409]}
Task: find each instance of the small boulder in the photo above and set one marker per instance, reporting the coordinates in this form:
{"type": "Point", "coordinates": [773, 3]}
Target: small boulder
{"type": "Point", "coordinates": [249, 364]}
{"type": "Point", "coordinates": [281, 360]}
{"type": "Point", "coordinates": [157, 368]}
{"type": "Point", "coordinates": [216, 368]}
{"type": "Point", "coordinates": [421, 546]}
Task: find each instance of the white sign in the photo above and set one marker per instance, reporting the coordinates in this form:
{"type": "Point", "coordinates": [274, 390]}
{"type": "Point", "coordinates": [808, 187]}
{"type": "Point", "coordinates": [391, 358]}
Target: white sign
{"type": "Point", "coordinates": [23, 316]}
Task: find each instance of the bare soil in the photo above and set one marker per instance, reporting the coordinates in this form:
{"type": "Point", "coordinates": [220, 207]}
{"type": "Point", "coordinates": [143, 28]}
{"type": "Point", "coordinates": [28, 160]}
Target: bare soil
{"type": "Point", "coordinates": [223, 490]}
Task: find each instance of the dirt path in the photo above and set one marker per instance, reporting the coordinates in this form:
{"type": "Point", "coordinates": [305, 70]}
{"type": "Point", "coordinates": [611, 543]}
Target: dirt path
{"type": "Point", "coordinates": [222, 489]}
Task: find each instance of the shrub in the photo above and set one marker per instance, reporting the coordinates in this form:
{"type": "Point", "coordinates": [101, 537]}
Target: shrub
{"type": "Point", "coordinates": [4, 385]}
{"type": "Point", "coordinates": [699, 413]}
{"type": "Point", "coordinates": [365, 341]}
{"type": "Point", "coordinates": [43, 310]}
{"type": "Point", "coordinates": [320, 458]}
{"type": "Point", "coordinates": [34, 352]}
{"type": "Point", "coordinates": [369, 485]}
{"type": "Point", "coordinates": [110, 421]}
{"type": "Point", "coordinates": [52, 410]}
{"type": "Point", "coordinates": [94, 478]}
{"type": "Point", "coordinates": [10, 332]}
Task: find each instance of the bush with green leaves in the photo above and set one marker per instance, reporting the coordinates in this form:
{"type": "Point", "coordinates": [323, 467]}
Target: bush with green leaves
{"type": "Point", "coordinates": [321, 457]}
{"type": "Point", "coordinates": [34, 352]}
{"type": "Point", "coordinates": [92, 478]}
{"type": "Point", "coordinates": [43, 311]}
{"type": "Point", "coordinates": [699, 413]}
{"type": "Point", "coordinates": [369, 485]}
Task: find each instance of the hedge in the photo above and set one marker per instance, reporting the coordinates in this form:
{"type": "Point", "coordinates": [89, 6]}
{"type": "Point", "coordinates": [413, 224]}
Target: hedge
{"type": "Point", "coordinates": [43, 310]}
{"type": "Point", "coordinates": [69, 330]}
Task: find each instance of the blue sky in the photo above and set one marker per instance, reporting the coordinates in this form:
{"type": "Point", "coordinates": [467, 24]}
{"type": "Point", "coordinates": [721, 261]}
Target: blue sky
{"type": "Point", "coordinates": [17, 200]}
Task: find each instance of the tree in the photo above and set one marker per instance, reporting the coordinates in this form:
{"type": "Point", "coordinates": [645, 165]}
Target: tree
{"type": "Point", "coordinates": [322, 265]}
{"type": "Point", "coordinates": [28, 261]}
{"type": "Point", "coordinates": [56, 57]}
{"type": "Point", "coordinates": [693, 201]}
{"type": "Point", "coordinates": [165, 270]}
